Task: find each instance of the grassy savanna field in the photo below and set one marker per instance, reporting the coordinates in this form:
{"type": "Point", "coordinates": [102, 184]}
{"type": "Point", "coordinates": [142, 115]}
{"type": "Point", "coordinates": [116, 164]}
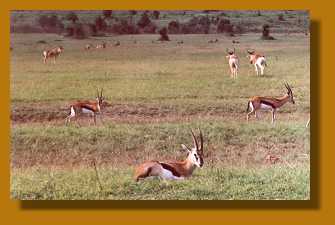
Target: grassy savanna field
{"type": "Point", "coordinates": [156, 92]}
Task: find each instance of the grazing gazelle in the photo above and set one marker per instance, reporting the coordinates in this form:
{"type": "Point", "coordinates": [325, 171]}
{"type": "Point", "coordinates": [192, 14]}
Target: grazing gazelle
{"type": "Point", "coordinates": [88, 46]}
{"type": "Point", "coordinates": [233, 63]}
{"type": "Point", "coordinates": [269, 103]}
{"type": "Point", "coordinates": [175, 170]}
{"type": "Point", "coordinates": [55, 52]}
{"type": "Point", "coordinates": [102, 45]}
{"type": "Point", "coordinates": [86, 107]}
{"type": "Point", "coordinates": [258, 61]}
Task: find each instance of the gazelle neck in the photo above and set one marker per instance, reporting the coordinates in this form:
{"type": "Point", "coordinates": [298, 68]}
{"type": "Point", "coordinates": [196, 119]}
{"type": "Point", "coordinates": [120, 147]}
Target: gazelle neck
{"type": "Point", "coordinates": [283, 100]}
{"type": "Point", "coordinates": [188, 165]}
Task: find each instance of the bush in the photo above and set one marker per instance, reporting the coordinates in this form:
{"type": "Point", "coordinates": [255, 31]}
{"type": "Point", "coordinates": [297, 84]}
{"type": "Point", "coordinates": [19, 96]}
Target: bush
{"type": "Point", "coordinates": [100, 24]}
{"type": "Point", "coordinates": [163, 34]}
{"type": "Point", "coordinates": [50, 24]}
{"type": "Point", "coordinates": [196, 25]}
{"type": "Point", "coordinates": [79, 31]}
{"type": "Point", "coordinates": [124, 27]}
{"type": "Point", "coordinates": [156, 14]}
{"type": "Point", "coordinates": [72, 17]}
{"type": "Point", "coordinates": [174, 27]}
{"type": "Point", "coordinates": [144, 21]}
{"type": "Point", "coordinates": [150, 28]}
{"type": "Point", "coordinates": [224, 26]}
{"type": "Point", "coordinates": [266, 33]}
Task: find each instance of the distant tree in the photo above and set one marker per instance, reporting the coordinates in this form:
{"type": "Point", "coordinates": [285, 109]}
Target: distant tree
{"type": "Point", "coordinates": [174, 27]}
{"type": "Point", "coordinates": [164, 34]}
{"type": "Point", "coordinates": [100, 23]}
{"type": "Point", "coordinates": [224, 26]}
{"type": "Point", "coordinates": [107, 14]}
{"type": "Point", "coordinates": [72, 17]}
{"type": "Point", "coordinates": [144, 20]}
{"type": "Point", "coordinates": [156, 14]}
{"type": "Point", "coordinates": [50, 23]}
{"type": "Point", "coordinates": [266, 33]}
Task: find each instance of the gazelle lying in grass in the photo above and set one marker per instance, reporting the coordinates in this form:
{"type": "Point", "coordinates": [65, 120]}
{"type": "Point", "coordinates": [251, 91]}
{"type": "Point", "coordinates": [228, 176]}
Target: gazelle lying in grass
{"type": "Point", "coordinates": [233, 63]}
{"type": "Point", "coordinates": [86, 107]}
{"type": "Point", "coordinates": [175, 170]}
{"type": "Point", "coordinates": [52, 53]}
{"type": "Point", "coordinates": [269, 103]}
{"type": "Point", "coordinates": [258, 61]}
{"type": "Point", "coordinates": [88, 46]}
{"type": "Point", "coordinates": [102, 45]}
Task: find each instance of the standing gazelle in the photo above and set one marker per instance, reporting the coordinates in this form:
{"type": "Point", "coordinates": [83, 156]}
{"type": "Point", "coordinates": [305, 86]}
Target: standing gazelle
{"type": "Point", "coordinates": [86, 107]}
{"type": "Point", "coordinates": [233, 63]}
{"type": "Point", "coordinates": [175, 170]}
{"type": "Point", "coordinates": [269, 103]}
{"type": "Point", "coordinates": [258, 61]}
{"type": "Point", "coordinates": [52, 53]}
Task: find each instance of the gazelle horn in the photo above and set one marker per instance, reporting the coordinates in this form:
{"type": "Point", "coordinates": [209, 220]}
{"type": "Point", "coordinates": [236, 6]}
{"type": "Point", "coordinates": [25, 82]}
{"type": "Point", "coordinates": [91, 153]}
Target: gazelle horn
{"type": "Point", "coordinates": [201, 141]}
{"type": "Point", "coordinates": [195, 143]}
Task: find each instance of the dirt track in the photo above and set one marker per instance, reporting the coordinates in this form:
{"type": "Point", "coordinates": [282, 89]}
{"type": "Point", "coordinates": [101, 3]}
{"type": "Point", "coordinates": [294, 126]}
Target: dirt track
{"type": "Point", "coordinates": [131, 113]}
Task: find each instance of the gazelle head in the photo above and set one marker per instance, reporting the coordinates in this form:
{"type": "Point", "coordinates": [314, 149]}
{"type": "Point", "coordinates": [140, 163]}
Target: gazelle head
{"type": "Point", "coordinates": [195, 154]}
{"type": "Point", "coordinates": [289, 93]}
{"type": "Point", "coordinates": [230, 52]}
{"type": "Point", "coordinates": [251, 52]}
{"type": "Point", "coordinates": [60, 49]}
{"type": "Point", "coordinates": [100, 98]}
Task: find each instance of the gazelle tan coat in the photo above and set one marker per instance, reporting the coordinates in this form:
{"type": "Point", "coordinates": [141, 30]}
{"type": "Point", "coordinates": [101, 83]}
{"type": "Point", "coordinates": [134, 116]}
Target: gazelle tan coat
{"type": "Point", "coordinates": [174, 170]}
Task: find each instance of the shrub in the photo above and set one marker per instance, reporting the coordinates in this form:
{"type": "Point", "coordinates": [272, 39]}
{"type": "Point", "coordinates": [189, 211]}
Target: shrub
{"type": "Point", "coordinates": [224, 26]}
{"type": "Point", "coordinates": [150, 28]}
{"type": "Point", "coordinates": [174, 27]}
{"type": "Point", "coordinates": [124, 27]}
{"type": "Point", "coordinates": [266, 33]}
{"type": "Point", "coordinates": [163, 34]}
{"type": "Point", "coordinates": [79, 31]}
{"type": "Point", "coordinates": [144, 20]}
{"type": "Point", "coordinates": [50, 24]}
{"type": "Point", "coordinates": [72, 17]}
{"type": "Point", "coordinates": [100, 24]}
{"type": "Point", "coordinates": [156, 14]}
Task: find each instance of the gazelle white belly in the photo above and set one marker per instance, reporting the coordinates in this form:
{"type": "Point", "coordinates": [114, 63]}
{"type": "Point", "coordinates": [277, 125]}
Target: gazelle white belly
{"type": "Point", "coordinates": [87, 111]}
{"type": "Point", "coordinates": [167, 174]}
{"type": "Point", "coordinates": [266, 107]}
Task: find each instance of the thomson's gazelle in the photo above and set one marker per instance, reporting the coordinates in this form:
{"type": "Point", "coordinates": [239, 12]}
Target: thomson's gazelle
{"type": "Point", "coordinates": [269, 103]}
{"type": "Point", "coordinates": [175, 170]}
{"type": "Point", "coordinates": [52, 53]}
{"type": "Point", "coordinates": [86, 107]}
{"type": "Point", "coordinates": [258, 61]}
{"type": "Point", "coordinates": [233, 62]}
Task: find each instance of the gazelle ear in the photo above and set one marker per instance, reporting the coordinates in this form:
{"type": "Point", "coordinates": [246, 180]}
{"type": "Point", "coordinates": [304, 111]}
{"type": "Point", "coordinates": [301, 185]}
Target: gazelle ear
{"type": "Point", "coordinates": [186, 148]}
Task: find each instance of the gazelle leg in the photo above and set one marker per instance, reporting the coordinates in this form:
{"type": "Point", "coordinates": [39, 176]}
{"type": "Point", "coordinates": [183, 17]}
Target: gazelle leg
{"type": "Point", "coordinates": [95, 119]}
{"type": "Point", "coordinates": [72, 114]}
{"type": "Point", "coordinates": [273, 111]}
{"type": "Point", "coordinates": [248, 115]}
{"type": "Point", "coordinates": [256, 114]}
{"type": "Point", "coordinates": [256, 69]}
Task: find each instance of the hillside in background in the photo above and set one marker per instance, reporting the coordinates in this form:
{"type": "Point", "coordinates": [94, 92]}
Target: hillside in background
{"type": "Point", "coordinates": [83, 23]}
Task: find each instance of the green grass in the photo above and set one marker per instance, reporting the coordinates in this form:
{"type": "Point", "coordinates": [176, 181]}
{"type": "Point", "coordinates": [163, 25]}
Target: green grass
{"type": "Point", "coordinates": [208, 183]}
{"type": "Point", "coordinates": [158, 92]}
